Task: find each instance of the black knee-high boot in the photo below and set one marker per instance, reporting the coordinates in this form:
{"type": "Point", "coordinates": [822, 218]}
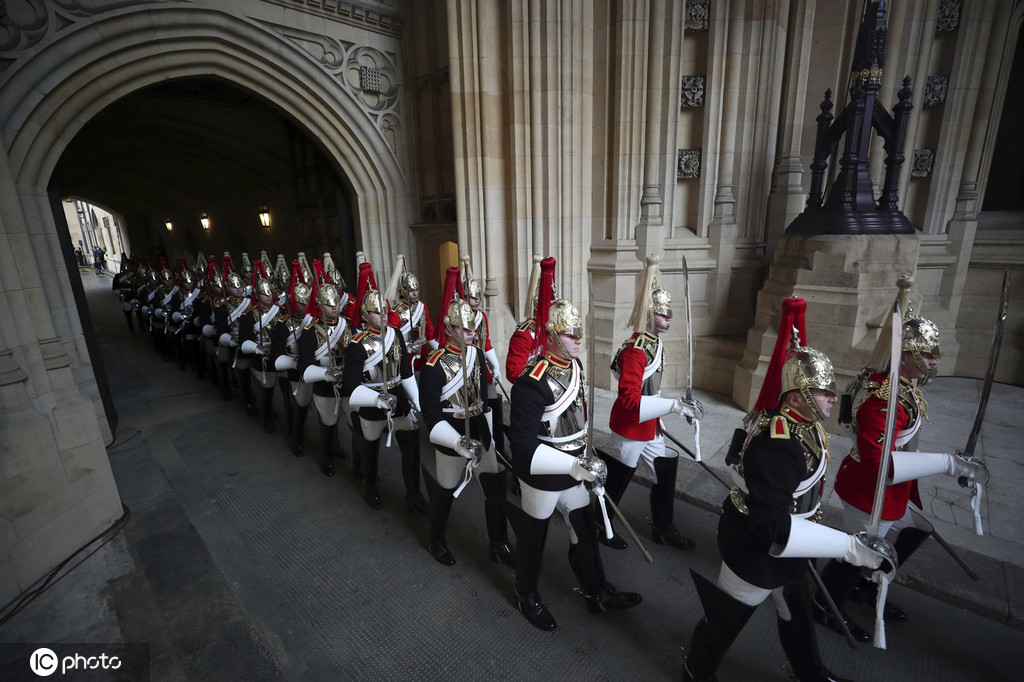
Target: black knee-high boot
{"type": "Point", "coordinates": [370, 454]}
{"type": "Point", "coordinates": [289, 400]}
{"type": "Point", "coordinates": [497, 424]}
{"type": "Point", "coordinates": [409, 446]}
{"type": "Point", "coordinates": [264, 398]}
{"type": "Point", "coordinates": [619, 476]}
{"type": "Point", "coordinates": [798, 638]}
{"type": "Point", "coordinates": [441, 500]}
{"type": "Point", "coordinates": [496, 517]}
{"type": "Point", "coordinates": [724, 618]}
{"type": "Point", "coordinates": [840, 578]}
{"type": "Point", "coordinates": [663, 497]}
{"type": "Point", "coordinates": [585, 560]}
{"type": "Point", "coordinates": [531, 535]}
{"type": "Point", "coordinates": [298, 442]}
{"type": "Point", "coordinates": [327, 436]}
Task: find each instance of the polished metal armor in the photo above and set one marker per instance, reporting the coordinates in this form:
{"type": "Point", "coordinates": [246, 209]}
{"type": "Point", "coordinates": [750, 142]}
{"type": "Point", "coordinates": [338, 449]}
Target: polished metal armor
{"type": "Point", "coordinates": [454, 405]}
{"type": "Point", "coordinates": [386, 372]}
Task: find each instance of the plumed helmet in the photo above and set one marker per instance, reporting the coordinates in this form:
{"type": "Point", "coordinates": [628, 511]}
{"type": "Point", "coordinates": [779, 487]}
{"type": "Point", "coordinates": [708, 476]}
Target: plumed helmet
{"type": "Point", "coordinates": [166, 277]}
{"type": "Point", "coordinates": [187, 279]}
{"type": "Point", "coordinates": [920, 336]}
{"type": "Point", "coordinates": [470, 285]}
{"type": "Point", "coordinates": [807, 368]}
{"type": "Point", "coordinates": [373, 302]}
{"type": "Point", "coordinates": [459, 316]}
{"type": "Point", "coordinates": [264, 287]}
{"type": "Point", "coordinates": [332, 272]}
{"type": "Point", "coordinates": [327, 294]}
{"type": "Point", "coordinates": [564, 318]}
{"type": "Point", "coordinates": [661, 302]}
{"type": "Point", "coordinates": [234, 280]}
{"type": "Point", "coordinates": [407, 283]}
{"type": "Point", "coordinates": [301, 296]}
{"type": "Point", "coordinates": [246, 266]}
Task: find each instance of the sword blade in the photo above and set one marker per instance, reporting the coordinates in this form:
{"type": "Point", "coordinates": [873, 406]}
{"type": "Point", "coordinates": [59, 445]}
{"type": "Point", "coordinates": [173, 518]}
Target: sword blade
{"type": "Point", "coordinates": [830, 603]}
{"type": "Point", "coordinates": [689, 332]}
{"type": "Point", "coordinates": [993, 359]}
{"type": "Point", "coordinates": [888, 439]}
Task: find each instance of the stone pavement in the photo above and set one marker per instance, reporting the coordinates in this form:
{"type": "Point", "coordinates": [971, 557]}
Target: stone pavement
{"type": "Point", "coordinates": [241, 561]}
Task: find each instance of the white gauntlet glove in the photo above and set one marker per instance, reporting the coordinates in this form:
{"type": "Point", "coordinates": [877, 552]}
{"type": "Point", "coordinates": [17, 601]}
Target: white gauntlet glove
{"type": "Point", "coordinates": [580, 472]}
{"type": "Point", "coordinates": [387, 401]}
{"type": "Point", "coordinates": [470, 448]}
{"type": "Point", "coordinates": [967, 470]}
{"type": "Point", "coordinates": [689, 409]}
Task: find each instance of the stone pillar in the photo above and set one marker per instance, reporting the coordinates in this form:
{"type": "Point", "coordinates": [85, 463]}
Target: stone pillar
{"type": "Point", "coordinates": [849, 283]}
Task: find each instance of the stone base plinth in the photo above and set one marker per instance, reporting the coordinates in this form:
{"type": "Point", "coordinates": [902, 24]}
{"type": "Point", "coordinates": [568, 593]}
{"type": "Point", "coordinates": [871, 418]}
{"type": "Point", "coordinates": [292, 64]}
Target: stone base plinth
{"type": "Point", "coordinates": [849, 283]}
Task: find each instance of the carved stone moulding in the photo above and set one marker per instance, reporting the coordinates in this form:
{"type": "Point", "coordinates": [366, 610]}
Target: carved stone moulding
{"type": "Point", "coordinates": [948, 17]}
{"type": "Point", "coordinates": [924, 159]}
{"type": "Point", "coordinates": [698, 15]}
{"type": "Point", "coordinates": [935, 90]}
{"type": "Point", "coordinates": [688, 164]}
{"type": "Point", "coordinates": [691, 91]}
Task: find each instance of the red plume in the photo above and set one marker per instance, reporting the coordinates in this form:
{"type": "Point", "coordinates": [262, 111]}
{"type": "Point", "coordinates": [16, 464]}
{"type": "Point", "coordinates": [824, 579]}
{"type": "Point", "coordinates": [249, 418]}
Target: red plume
{"type": "Point", "coordinates": [545, 295]}
{"type": "Point", "coordinates": [793, 309]}
{"type": "Point", "coordinates": [228, 268]}
{"type": "Point", "coordinates": [211, 272]}
{"type": "Point", "coordinates": [452, 285]}
{"type": "Point", "coordinates": [258, 273]}
{"type": "Point", "coordinates": [364, 283]}
{"type": "Point", "coordinates": [319, 277]}
{"type": "Point", "coordinates": [292, 281]}
{"type": "Point", "coordinates": [182, 265]}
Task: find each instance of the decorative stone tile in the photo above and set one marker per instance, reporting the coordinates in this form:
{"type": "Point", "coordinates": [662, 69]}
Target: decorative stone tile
{"type": "Point", "coordinates": [691, 91]}
{"type": "Point", "coordinates": [948, 17]}
{"type": "Point", "coordinates": [924, 159]}
{"type": "Point", "coordinates": [698, 15]}
{"type": "Point", "coordinates": [688, 164]}
{"type": "Point", "coordinates": [935, 90]}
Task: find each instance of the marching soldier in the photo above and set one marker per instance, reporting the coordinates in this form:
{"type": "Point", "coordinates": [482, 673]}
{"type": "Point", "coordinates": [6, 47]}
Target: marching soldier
{"type": "Point", "coordinates": [254, 332]}
{"type": "Point", "coordinates": [321, 361]}
{"type": "Point", "coordinates": [452, 390]}
{"type": "Point", "coordinates": [548, 437]}
{"type": "Point", "coordinates": [482, 338]}
{"type": "Point", "coordinates": [769, 526]}
{"type": "Point", "coordinates": [227, 318]}
{"type": "Point", "coordinates": [209, 301]}
{"type": "Point", "coordinates": [857, 477]}
{"type": "Point", "coordinates": [383, 395]}
{"type": "Point", "coordinates": [636, 414]}
{"type": "Point", "coordinates": [284, 353]}
{"type": "Point", "coordinates": [185, 334]}
{"type": "Point", "coordinates": [414, 318]}
{"type": "Point", "coordinates": [122, 286]}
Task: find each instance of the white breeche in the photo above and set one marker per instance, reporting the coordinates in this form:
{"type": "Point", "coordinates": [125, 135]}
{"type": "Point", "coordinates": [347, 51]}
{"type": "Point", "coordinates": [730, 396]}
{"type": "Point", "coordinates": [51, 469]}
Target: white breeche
{"type": "Point", "coordinates": [541, 504]}
{"type": "Point", "coordinates": [328, 407]}
{"type": "Point", "coordinates": [303, 393]}
{"type": "Point", "coordinates": [451, 470]}
{"type": "Point", "coordinates": [751, 595]}
{"type": "Point", "coordinates": [856, 521]}
{"type": "Point", "coordinates": [634, 452]}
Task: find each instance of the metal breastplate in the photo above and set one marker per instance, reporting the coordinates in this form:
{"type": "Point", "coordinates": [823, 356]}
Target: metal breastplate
{"type": "Point", "coordinates": [653, 362]}
{"type": "Point", "coordinates": [454, 405]}
{"type": "Point", "coordinates": [294, 326]}
{"type": "Point", "coordinates": [335, 357]}
{"type": "Point", "coordinates": [386, 373]}
{"type": "Point", "coordinates": [568, 430]}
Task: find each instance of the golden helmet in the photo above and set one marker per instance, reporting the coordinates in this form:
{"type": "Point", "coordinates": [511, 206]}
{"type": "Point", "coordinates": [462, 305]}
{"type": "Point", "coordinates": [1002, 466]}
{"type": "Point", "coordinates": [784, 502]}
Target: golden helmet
{"type": "Point", "coordinates": [373, 302]}
{"type": "Point", "coordinates": [564, 318]}
{"type": "Point", "coordinates": [804, 369]}
{"type": "Point", "coordinates": [187, 279]}
{"type": "Point", "coordinates": [301, 295]}
{"type": "Point", "coordinates": [661, 303]}
{"type": "Point", "coordinates": [166, 276]}
{"type": "Point", "coordinates": [920, 336]}
{"type": "Point", "coordinates": [407, 283]}
{"type": "Point", "coordinates": [234, 280]}
{"type": "Point", "coordinates": [264, 287]}
{"type": "Point", "coordinates": [459, 316]}
{"type": "Point", "coordinates": [327, 294]}
{"type": "Point", "coordinates": [472, 288]}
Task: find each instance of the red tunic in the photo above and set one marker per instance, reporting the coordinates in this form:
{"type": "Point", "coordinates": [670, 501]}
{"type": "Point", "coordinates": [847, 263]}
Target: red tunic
{"type": "Point", "coordinates": [625, 417]}
{"type": "Point", "coordinates": [858, 474]}
{"type": "Point", "coordinates": [519, 350]}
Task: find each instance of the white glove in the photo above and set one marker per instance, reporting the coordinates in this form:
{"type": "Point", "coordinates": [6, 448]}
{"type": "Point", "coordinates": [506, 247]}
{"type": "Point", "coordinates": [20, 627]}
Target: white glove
{"type": "Point", "coordinates": [284, 363]}
{"type": "Point", "coordinates": [967, 470]}
{"type": "Point", "coordinates": [249, 347]}
{"type": "Point", "coordinates": [176, 317]}
{"type": "Point", "coordinates": [225, 339]}
{"type": "Point", "coordinates": [492, 363]}
{"type": "Point", "coordinates": [809, 539]}
{"type": "Point", "coordinates": [470, 448]}
{"type": "Point", "coordinates": [386, 401]}
{"type": "Point", "coordinates": [689, 409]}
{"type": "Point", "coordinates": [580, 472]}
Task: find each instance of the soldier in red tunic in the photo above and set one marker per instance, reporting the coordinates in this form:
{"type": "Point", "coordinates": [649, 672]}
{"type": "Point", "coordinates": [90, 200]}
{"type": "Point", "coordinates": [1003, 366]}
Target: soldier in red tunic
{"type": "Point", "coordinates": [858, 474]}
{"type": "Point", "coordinates": [521, 343]}
{"type": "Point", "coordinates": [636, 414]}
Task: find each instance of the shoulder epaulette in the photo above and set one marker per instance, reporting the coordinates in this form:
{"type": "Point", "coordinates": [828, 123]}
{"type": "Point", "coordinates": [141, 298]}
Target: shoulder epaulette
{"type": "Point", "coordinates": [778, 427]}
{"type": "Point", "coordinates": [434, 357]}
{"type": "Point", "coordinates": [359, 337]}
{"type": "Point", "coordinates": [882, 392]}
{"type": "Point", "coordinates": [311, 324]}
{"type": "Point", "coordinates": [539, 369]}
{"type": "Point", "coordinates": [283, 318]}
{"type": "Point", "coordinates": [525, 326]}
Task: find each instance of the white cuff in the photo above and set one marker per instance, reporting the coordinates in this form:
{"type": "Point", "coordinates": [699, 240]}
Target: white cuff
{"type": "Point", "coordinates": [209, 331]}
{"type": "Point", "coordinates": [363, 396]}
{"type": "Point", "coordinates": [175, 317]}
{"type": "Point", "coordinates": [808, 539]}
{"type": "Point", "coordinates": [548, 460]}
{"type": "Point", "coordinates": [908, 466]}
{"type": "Point", "coordinates": [652, 407]}
{"type": "Point", "coordinates": [249, 347]}
{"type": "Point", "coordinates": [314, 373]}
{"type": "Point", "coordinates": [412, 391]}
{"type": "Point", "coordinates": [225, 340]}
{"type": "Point", "coordinates": [445, 435]}
{"type": "Point", "coordinates": [284, 363]}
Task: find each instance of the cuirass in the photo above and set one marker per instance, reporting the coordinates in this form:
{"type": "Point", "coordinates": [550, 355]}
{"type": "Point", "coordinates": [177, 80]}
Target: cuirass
{"type": "Point", "coordinates": [335, 357]}
{"type": "Point", "coordinates": [451, 363]}
{"type": "Point", "coordinates": [390, 365]}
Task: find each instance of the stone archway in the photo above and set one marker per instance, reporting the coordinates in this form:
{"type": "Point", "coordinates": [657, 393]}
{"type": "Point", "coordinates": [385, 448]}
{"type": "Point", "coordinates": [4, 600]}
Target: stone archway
{"type": "Point", "coordinates": [56, 75]}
